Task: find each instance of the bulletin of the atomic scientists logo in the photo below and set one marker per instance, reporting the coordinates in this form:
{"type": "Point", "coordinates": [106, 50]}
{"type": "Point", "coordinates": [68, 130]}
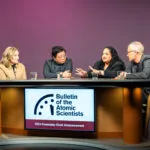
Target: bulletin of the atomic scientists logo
{"type": "Point", "coordinates": [61, 109]}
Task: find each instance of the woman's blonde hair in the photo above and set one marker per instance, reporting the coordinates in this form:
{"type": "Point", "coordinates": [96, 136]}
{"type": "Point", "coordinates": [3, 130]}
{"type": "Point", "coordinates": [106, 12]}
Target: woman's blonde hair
{"type": "Point", "coordinates": [7, 55]}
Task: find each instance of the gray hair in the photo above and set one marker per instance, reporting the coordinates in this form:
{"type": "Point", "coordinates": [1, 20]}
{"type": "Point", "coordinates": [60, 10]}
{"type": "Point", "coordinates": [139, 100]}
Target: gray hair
{"type": "Point", "coordinates": [136, 46]}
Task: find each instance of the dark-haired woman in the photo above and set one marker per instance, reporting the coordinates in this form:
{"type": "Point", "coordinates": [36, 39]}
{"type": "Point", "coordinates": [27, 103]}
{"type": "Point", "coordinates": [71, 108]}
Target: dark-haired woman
{"type": "Point", "coordinates": [107, 67]}
{"type": "Point", "coordinates": [58, 65]}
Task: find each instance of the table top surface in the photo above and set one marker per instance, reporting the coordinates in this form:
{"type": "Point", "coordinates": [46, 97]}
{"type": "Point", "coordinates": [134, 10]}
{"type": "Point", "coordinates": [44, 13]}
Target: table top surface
{"type": "Point", "coordinates": [77, 81]}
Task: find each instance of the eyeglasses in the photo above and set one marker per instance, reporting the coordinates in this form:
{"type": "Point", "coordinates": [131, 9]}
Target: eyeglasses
{"type": "Point", "coordinates": [62, 56]}
{"type": "Point", "coordinates": [131, 51]}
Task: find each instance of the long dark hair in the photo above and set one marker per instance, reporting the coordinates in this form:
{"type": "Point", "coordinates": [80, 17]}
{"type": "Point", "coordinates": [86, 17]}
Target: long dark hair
{"type": "Point", "coordinates": [114, 54]}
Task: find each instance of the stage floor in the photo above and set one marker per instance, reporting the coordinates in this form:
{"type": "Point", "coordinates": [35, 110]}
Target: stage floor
{"type": "Point", "coordinates": [15, 142]}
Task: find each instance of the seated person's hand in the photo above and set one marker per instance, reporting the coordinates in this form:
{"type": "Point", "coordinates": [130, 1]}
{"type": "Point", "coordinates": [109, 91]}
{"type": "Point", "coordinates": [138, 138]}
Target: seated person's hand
{"type": "Point", "coordinates": [121, 75]}
{"type": "Point", "coordinates": [66, 74]}
{"type": "Point", "coordinates": [81, 72]}
{"type": "Point", "coordinates": [99, 72]}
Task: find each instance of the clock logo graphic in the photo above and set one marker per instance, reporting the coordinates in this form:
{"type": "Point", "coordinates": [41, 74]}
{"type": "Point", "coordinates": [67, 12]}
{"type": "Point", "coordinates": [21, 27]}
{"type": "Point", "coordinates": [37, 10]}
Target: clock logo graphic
{"type": "Point", "coordinates": [45, 101]}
